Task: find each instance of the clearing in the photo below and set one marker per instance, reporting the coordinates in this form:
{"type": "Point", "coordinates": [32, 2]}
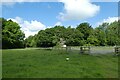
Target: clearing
{"type": "Point", "coordinates": [40, 63]}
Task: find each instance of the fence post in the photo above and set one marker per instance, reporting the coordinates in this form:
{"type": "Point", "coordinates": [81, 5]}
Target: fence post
{"type": "Point", "coordinates": [117, 50]}
{"type": "Point", "coordinates": [68, 49]}
{"type": "Point", "coordinates": [89, 49]}
{"type": "Point", "coordinates": [83, 49]}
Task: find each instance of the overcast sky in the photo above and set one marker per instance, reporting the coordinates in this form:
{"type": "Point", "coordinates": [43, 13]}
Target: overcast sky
{"type": "Point", "coordinates": [35, 16]}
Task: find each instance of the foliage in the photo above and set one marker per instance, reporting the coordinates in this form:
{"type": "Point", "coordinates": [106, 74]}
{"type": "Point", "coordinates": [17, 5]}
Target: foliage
{"type": "Point", "coordinates": [86, 29]}
{"type": "Point", "coordinates": [74, 38]}
{"type": "Point", "coordinates": [45, 38]}
{"type": "Point", "coordinates": [30, 41]}
{"type": "Point", "coordinates": [12, 36]}
{"type": "Point", "coordinates": [113, 33]}
{"type": "Point", "coordinates": [104, 35]}
{"type": "Point", "coordinates": [0, 33]}
{"type": "Point", "coordinates": [83, 34]}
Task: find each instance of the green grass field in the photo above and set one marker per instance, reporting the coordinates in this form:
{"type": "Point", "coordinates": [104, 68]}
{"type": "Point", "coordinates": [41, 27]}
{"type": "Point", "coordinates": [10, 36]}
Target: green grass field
{"type": "Point", "coordinates": [36, 63]}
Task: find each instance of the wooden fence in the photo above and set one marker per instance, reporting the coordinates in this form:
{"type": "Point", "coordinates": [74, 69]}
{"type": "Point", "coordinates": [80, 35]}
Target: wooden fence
{"type": "Point", "coordinates": [81, 49]}
{"type": "Point", "coordinates": [117, 50]}
{"type": "Point", "coordinates": [85, 49]}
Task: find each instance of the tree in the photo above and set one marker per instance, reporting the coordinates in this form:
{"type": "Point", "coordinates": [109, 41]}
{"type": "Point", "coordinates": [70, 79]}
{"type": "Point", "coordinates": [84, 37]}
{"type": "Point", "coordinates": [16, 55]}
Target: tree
{"type": "Point", "coordinates": [74, 37]}
{"type": "Point", "coordinates": [12, 36]}
{"type": "Point", "coordinates": [0, 33]}
{"type": "Point", "coordinates": [108, 34]}
{"type": "Point", "coordinates": [92, 40]}
{"type": "Point", "coordinates": [100, 35]}
{"type": "Point", "coordinates": [86, 29]}
{"type": "Point", "coordinates": [45, 38]}
{"type": "Point", "coordinates": [113, 37]}
{"type": "Point", "coordinates": [30, 41]}
{"type": "Point", "coordinates": [84, 34]}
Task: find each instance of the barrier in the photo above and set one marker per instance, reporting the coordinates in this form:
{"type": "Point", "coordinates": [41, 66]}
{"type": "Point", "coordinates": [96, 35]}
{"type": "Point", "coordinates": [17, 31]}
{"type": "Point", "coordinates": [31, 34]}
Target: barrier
{"type": "Point", "coordinates": [85, 49]}
{"type": "Point", "coordinates": [117, 50]}
{"type": "Point", "coordinates": [68, 49]}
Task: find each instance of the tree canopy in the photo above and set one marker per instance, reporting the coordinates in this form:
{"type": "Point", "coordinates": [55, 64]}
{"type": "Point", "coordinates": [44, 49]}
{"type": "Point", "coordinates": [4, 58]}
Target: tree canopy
{"type": "Point", "coordinates": [12, 36]}
{"type": "Point", "coordinates": [104, 35]}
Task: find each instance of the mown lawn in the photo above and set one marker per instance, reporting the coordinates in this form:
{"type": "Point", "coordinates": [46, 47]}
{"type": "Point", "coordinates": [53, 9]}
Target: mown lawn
{"type": "Point", "coordinates": [36, 63]}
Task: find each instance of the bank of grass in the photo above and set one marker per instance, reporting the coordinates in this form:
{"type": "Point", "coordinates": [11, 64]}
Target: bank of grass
{"type": "Point", "coordinates": [36, 63]}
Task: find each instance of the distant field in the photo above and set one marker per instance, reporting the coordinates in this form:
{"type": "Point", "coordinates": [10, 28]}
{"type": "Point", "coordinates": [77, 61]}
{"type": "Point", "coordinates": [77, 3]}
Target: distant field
{"type": "Point", "coordinates": [37, 63]}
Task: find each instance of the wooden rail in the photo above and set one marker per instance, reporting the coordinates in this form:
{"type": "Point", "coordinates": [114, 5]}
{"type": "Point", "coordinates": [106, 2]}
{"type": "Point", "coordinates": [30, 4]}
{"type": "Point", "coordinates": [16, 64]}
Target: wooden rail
{"type": "Point", "coordinates": [85, 49]}
{"type": "Point", "coordinates": [68, 49]}
{"type": "Point", "coordinates": [82, 49]}
{"type": "Point", "coordinates": [117, 50]}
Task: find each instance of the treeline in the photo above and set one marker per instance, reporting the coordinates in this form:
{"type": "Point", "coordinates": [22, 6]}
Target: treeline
{"type": "Point", "coordinates": [103, 35]}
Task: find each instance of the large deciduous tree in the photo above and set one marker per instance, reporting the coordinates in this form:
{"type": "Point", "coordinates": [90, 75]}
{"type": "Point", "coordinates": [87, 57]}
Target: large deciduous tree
{"type": "Point", "coordinates": [86, 29]}
{"type": "Point", "coordinates": [12, 36]}
{"type": "Point", "coordinates": [45, 38]}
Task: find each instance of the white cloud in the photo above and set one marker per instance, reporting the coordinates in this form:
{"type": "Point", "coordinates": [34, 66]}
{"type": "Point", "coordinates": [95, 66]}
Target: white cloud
{"type": "Point", "coordinates": [33, 25]}
{"type": "Point", "coordinates": [78, 9]}
{"type": "Point", "coordinates": [49, 26]}
{"type": "Point", "coordinates": [17, 20]}
{"type": "Point", "coordinates": [58, 24]}
{"type": "Point", "coordinates": [29, 27]}
{"type": "Point", "coordinates": [108, 20]}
